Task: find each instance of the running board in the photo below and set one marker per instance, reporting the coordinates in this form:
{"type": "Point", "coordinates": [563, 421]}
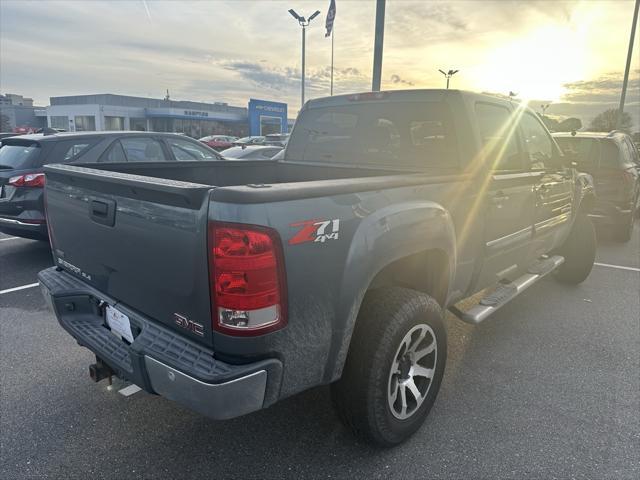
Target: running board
{"type": "Point", "coordinates": [505, 292]}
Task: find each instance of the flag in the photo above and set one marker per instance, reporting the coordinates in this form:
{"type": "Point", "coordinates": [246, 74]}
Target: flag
{"type": "Point", "coordinates": [331, 16]}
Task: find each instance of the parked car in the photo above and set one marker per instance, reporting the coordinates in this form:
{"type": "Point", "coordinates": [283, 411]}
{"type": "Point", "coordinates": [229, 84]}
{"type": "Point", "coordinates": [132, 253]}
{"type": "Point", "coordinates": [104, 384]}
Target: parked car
{"type": "Point", "coordinates": [255, 140]}
{"type": "Point", "coordinates": [219, 142]}
{"type": "Point", "coordinates": [22, 159]}
{"type": "Point", "coordinates": [247, 283]}
{"type": "Point", "coordinates": [279, 139]}
{"type": "Point", "coordinates": [252, 152]}
{"type": "Point", "coordinates": [612, 159]}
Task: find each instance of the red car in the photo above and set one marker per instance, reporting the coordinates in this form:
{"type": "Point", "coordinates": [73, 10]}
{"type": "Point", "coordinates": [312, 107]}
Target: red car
{"type": "Point", "coordinates": [219, 142]}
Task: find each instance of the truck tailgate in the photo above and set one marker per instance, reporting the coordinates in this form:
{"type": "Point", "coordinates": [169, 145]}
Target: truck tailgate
{"type": "Point", "coordinates": [140, 240]}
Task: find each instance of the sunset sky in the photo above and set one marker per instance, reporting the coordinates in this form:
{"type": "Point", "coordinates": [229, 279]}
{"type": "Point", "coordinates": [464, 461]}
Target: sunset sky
{"type": "Point", "coordinates": [570, 53]}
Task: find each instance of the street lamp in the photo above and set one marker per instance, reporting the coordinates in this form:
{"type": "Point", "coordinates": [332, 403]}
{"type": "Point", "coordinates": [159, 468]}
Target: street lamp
{"type": "Point", "coordinates": [448, 75]}
{"type": "Point", "coordinates": [304, 23]}
{"type": "Point", "coordinates": [544, 107]}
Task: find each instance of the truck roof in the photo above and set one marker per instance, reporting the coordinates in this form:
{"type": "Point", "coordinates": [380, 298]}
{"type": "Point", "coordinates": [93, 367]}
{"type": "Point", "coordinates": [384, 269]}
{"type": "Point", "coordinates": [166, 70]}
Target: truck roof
{"type": "Point", "coordinates": [428, 94]}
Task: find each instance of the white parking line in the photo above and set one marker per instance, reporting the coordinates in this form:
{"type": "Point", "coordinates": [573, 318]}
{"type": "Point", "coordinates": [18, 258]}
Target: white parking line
{"type": "Point", "coordinates": [619, 267]}
{"type": "Point", "coordinates": [8, 238]}
{"type": "Point", "coordinates": [15, 289]}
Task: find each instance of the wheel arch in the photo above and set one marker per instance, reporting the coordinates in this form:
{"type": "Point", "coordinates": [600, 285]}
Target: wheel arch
{"type": "Point", "coordinates": [413, 247]}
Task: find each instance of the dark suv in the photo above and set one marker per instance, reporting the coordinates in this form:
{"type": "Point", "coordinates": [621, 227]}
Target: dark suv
{"type": "Point", "coordinates": [613, 161]}
{"type": "Point", "coordinates": [22, 160]}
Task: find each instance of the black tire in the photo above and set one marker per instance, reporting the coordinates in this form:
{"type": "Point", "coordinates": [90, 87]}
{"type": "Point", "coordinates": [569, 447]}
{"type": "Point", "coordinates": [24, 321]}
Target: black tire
{"type": "Point", "coordinates": [624, 229]}
{"type": "Point", "coordinates": [579, 252]}
{"type": "Point", "coordinates": [361, 396]}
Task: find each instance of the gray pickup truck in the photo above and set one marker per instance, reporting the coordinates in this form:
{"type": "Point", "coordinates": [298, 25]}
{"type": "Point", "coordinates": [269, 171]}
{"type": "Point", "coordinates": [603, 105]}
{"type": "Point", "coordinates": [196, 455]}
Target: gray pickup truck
{"type": "Point", "coordinates": [227, 286]}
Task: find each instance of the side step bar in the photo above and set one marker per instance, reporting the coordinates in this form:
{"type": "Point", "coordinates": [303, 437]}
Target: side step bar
{"type": "Point", "coordinates": [506, 292]}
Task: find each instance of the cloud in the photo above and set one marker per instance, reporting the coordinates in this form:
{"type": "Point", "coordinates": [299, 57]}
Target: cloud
{"type": "Point", "coordinates": [396, 80]}
{"type": "Point", "coordinates": [605, 88]}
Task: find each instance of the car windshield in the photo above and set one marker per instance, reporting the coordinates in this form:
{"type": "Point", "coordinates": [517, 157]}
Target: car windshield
{"type": "Point", "coordinates": [18, 156]}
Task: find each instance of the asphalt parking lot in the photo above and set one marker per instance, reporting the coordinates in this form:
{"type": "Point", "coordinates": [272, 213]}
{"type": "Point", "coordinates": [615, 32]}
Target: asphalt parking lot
{"type": "Point", "coordinates": [547, 388]}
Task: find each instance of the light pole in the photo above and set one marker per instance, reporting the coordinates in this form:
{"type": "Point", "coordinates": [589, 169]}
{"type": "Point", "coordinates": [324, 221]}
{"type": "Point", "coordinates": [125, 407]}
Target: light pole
{"type": "Point", "coordinates": [544, 107]}
{"type": "Point", "coordinates": [625, 81]}
{"type": "Point", "coordinates": [378, 45]}
{"type": "Point", "coordinates": [304, 23]}
{"type": "Point", "coordinates": [448, 75]}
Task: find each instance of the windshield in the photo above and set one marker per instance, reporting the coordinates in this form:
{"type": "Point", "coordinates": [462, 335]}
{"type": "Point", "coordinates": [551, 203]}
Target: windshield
{"type": "Point", "coordinates": [19, 156]}
{"type": "Point", "coordinates": [399, 134]}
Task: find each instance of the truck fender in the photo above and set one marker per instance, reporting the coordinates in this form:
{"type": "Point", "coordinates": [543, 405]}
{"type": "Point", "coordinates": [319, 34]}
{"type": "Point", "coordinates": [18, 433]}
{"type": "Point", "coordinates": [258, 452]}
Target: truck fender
{"type": "Point", "coordinates": [385, 236]}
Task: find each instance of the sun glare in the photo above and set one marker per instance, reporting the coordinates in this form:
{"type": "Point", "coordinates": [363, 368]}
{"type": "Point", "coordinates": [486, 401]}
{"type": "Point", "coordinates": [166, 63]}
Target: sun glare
{"type": "Point", "coordinates": [539, 64]}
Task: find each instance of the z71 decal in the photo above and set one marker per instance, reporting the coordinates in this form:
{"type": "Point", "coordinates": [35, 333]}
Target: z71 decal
{"type": "Point", "coordinates": [315, 231]}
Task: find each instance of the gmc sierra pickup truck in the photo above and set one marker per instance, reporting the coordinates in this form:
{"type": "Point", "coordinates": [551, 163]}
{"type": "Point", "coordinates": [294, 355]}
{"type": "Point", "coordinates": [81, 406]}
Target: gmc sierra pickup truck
{"type": "Point", "coordinates": [227, 286]}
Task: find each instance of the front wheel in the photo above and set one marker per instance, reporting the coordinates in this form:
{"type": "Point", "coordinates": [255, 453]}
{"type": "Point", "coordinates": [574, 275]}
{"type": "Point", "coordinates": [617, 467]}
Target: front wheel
{"type": "Point", "coordinates": [394, 367]}
{"type": "Point", "coordinates": [579, 252]}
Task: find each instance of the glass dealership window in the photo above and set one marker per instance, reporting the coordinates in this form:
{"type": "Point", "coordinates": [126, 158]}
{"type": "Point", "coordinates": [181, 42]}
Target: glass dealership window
{"type": "Point", "coordinates": [114, 123]}
{"type": "Point", "coordinates": [85, 123]}
{"type": "Point", "coordinates": [138, 124]}
{"type": "Point", "coordinates": [61, 122]}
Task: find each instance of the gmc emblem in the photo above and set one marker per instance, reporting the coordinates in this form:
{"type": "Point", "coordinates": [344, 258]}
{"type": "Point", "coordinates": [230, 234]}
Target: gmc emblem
{"type": "Point", "coordinates": [187, 324]}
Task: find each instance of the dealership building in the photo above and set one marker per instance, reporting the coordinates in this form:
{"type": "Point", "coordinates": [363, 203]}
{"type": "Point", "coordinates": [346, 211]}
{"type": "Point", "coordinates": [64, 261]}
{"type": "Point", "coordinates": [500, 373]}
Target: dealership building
{"type": "Point", "coordinates": [104, 112]}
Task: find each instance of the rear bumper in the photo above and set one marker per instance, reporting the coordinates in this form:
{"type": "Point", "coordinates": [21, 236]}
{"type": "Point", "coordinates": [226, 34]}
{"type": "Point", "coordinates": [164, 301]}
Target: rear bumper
{"type": "Point", "coordinates": [159, 360]}
{"type": "Point", "coordinates": [17, 227]}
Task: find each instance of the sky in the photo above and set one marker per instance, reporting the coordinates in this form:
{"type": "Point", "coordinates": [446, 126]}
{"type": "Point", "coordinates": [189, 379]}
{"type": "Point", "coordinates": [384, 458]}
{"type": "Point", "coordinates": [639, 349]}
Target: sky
{"type": "Point", "coordinates": [571, 53]}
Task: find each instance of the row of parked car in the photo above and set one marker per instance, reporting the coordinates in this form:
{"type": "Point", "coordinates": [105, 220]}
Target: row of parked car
{"type": "Point", "coordinates": [611, 159]}
{"type": "Point", "coordinates": [23, 157]}
{"type": "Point", "coordinates": [223, 142]}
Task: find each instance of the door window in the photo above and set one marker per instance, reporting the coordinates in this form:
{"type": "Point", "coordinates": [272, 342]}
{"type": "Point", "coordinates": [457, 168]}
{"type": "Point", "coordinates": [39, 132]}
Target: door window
{"type": "Point", "coordinates": [115, 154]}
{"type": "Point", "coordinates": [141, 149]}
{"type": "Point", "coordinates": [537, 142]}
{"type": "Point", "coordinates": [500, 144]}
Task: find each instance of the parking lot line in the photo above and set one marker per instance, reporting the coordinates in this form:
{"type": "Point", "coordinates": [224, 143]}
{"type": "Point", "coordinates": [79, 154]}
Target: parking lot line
{"type": "Point", "coordinates": [620, 267]}
{"type": "Point", "coordinates": [8, 238]}
{"type": "Point", "coordinates": [15, 289]}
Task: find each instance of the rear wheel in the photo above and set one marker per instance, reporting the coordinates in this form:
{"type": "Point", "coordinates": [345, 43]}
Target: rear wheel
{"type": "Point", "coordinates": [579, 252]}
{"type": "Point", "coordinates": [394, 368]}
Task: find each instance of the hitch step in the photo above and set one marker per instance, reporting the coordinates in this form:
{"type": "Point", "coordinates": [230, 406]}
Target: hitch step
{"type": "Point", "coordinates": [507, 291]}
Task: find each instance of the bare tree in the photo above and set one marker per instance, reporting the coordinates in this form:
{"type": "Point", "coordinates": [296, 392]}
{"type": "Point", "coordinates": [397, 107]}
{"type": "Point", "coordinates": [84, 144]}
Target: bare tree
{"type": "Point", "coordinates": [606, 121]}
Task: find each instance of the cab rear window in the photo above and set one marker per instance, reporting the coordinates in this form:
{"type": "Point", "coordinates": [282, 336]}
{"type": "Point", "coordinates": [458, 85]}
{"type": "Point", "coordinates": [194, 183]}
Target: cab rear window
{"type": "Point", "coordinates": [399, 135]}
{"type": "Point", "coordinates": [19, 155]}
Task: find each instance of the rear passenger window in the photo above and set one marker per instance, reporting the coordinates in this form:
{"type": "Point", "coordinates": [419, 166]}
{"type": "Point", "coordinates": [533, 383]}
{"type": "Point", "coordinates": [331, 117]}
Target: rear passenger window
{"type": "Point", "coordinates": [500, 144]}
{"type": "Point", "coordinates": [140, 149]}
{"type": "Point", "coordinates": [537, 142]}
{"type": "Point", "coordinates": [69, 150]}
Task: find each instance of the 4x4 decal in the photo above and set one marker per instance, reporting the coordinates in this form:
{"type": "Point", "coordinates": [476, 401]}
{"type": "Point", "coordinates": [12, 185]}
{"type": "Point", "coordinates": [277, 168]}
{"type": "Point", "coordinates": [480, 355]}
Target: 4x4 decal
{"type": "Point", "coordinates": [315, 231]}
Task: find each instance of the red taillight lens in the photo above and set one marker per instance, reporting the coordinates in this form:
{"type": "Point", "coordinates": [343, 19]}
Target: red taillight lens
{"type": "Point", "coordinates": [28, 180]}
{"type": "Point", "coordinates": [247, 279]}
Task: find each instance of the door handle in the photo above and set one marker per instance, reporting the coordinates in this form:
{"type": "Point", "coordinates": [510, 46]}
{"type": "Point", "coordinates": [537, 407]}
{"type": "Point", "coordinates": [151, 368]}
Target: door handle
{"type": "Point", "coordinates": [103, 211]}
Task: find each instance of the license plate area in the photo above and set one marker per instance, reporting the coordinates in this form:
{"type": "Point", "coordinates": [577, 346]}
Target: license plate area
{"type": "Point", "coordinates": [119, 323]}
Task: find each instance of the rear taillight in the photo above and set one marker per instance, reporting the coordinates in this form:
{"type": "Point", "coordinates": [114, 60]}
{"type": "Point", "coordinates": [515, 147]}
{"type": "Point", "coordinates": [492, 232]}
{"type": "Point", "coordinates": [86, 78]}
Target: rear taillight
{"type": "Point", "coordinates": [28, 180]}
{"type": "Point", "coordinates": [247, 279]}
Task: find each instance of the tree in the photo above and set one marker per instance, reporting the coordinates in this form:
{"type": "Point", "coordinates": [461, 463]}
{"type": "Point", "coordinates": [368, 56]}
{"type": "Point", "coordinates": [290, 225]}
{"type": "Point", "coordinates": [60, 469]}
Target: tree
{"type": "Point", "coordinates": [569, 125]}
{"type": "Point", "coordinates": [606, 121]}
